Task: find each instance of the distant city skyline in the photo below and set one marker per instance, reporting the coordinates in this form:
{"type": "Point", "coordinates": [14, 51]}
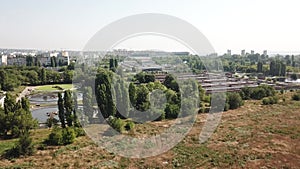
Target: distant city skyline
{"type": "Point", "coordinates": [233, 24]}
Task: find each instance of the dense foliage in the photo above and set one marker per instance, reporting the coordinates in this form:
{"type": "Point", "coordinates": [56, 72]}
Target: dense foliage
{"type": "Point", "coordinates": [12, 77]}
{"type": "Point", "coordinates": [270, 100]}
{"type": "Point", "coordinates": [15, 118]}
{"type": "Point", "coordinates": [257, 93]}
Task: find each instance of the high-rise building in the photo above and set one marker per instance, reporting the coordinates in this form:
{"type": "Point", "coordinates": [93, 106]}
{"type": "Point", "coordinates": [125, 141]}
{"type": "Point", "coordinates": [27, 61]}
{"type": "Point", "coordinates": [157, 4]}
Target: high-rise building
{"type": "Point", "coordinates": [3, 60]}
{"type": "Point", "coordinates": [252, 52]}
{"type": "Point", "coordinates": [229, 52]}
{"type": "Point", "coordinates": [63, 58]}
{"type": "Point", "coordinates": [243, 52]}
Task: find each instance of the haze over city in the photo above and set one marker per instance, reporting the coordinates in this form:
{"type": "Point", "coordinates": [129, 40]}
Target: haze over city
{"type": "Point", "coordinates": [233, 24]}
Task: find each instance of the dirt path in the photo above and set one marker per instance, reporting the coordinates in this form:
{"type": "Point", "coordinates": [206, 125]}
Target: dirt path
{"type": "Point", "coordinates": [25, 92]}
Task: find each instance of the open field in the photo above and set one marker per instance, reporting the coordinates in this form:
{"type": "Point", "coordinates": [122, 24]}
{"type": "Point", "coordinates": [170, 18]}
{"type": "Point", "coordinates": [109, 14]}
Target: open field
{"type": "Point", "coordinates": [54, 87]}
{"type": "Point", "coordinates": [253, 136]}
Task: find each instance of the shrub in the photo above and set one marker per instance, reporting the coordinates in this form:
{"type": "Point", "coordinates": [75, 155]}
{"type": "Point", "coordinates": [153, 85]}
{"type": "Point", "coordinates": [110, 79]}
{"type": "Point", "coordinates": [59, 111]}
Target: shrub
{"type": "Point", "coordinates": [202, 108]}
{"type": "Point", "coordinates": [24, 147]}
{"type": "Point", "coordinates": [296, 97]}
{"type": "Point", "coordinates": [55, 137]}
{"type": "Point", "coordinates": [265, 101]}
{"type": "Point", "coordinates": [234, 100]}
{"type": "Point", "coordinates": [172, 111]}
{"type": "Point", "coordinates": [129, 126]}
{"type": "Point", "coordinates": [270, 100]}
{"type": "Point", "coordinates": [117, 124]}
{"type": "Point", "coordinates": [79, 131]}
{"type": "Point", "coordinates": [257, 93]}
{"type": "Point", "coordinates": [61, 136]}
{"type": "Point", "coordinates": [226, 108]}
{"type": "Point", "coordinates": [69, 135]}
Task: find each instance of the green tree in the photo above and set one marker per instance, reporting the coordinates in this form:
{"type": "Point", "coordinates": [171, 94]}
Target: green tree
{"type": "Point", "coordinates": [171, 83]}
{"type": "Point", "coordinates": [43, 76]}
{"type": "Point", "coordinates": [234, 100]}
{"type": "Point", "coordinates": [88, 103]}
{"type": "Point", "coordinates": [75, 109]}
{"type": "Point", "coordinates": [132, 94]}
{"type": "Point", "coordinates": [69, 107]}
{"type": "Point", "coordinates": [104, 93]}
{"type": "Point", "coordinates": [142, 98]}
{"type": "Point", "coordinates": [259, 67]}
{"type": "Point", "coordinates": [61, 110]}
{"type": "Point", "coordinates": [68, 76]}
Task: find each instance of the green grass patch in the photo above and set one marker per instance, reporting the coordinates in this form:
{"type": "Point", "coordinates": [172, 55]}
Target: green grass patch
{"type": "Point", "coordinates": [55, 87]}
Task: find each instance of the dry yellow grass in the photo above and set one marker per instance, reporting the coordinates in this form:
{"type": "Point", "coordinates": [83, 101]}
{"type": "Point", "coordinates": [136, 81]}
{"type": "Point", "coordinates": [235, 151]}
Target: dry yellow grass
{"type": "Point", "coordinates": [253, 136]}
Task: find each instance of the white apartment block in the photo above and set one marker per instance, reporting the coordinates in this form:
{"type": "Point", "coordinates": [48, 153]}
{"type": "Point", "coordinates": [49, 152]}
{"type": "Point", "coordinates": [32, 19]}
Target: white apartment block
{"type": "Point", "coordinates": [64, 58]}
{"type": "Point", "coordinates": [3, 60]}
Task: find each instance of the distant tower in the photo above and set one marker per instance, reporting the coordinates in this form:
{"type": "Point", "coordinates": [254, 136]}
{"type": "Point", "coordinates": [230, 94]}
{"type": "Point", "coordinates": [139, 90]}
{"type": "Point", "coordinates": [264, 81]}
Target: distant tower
{"type": "Point", "coordinates": [229, 52]}
{"type": "Point", "coordinates": [243, 52]}
{"type": "Point", "coordinates": [265, 52]}
{"type": "Point", "coordinates": [252, 52]}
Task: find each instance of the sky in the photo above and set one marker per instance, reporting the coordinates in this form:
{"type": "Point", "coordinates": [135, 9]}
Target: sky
{"type": "Point", "coordinates": [258, 25]}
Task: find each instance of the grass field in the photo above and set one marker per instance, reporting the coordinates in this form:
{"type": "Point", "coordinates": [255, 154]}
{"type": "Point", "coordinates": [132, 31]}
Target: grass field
{"type": "Point", "coordinates": [54, 87]}
{"type": "Point", "coordinates": [253, 136]}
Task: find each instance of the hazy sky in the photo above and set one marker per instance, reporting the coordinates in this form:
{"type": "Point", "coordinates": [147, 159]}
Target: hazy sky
{"type": "Point", "coordinates": [228, 24]}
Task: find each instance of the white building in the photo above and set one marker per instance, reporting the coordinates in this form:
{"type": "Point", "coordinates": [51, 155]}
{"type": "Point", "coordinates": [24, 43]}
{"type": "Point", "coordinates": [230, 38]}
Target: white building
{"type": "Point", "coordinates": [265, 52]}
{"type": "Point", "coordinates": [229, 52]}
{"type": "Point", "coordinates": [63, 58]}
{"type": "Point", "coordinates": [3, 60]}
{"type": "Point", "coordinates": [243, 52]}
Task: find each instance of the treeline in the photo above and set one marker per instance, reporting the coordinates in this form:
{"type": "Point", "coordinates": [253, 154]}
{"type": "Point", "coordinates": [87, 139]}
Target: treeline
{"type": "Point", "coordinates": [251, 63]}
{"type": "Point", "coordinates": [12, 77]}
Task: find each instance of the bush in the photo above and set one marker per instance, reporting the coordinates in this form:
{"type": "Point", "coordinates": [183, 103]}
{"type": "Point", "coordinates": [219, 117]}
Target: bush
{"type": "Point", "coordinates": [172, 111]}
{"type": "Point", "coordinates": [129, 126]}
{"type": "Point", "coordinates": [117, 124]}
{"type": "Point", "coordinates": [79, 131]}
{"type": "Point", "coordinates": [265, 101]}
{"type": "Point", "coordinates": [296, 97]}
{"type": "Point", "coordinates": [270, 100]}
{"type": "Point", "coordinates": [69, 135]}
{"type": "Point", "coordinates": [55, 137]}
{"type": "Point", "coordinates": [202, 108]}
{"type": "Point", "coordinates": [24, 147]}
{"type": "Point", "coordinates": [234, 101]}
{"type": "Point", "coordinates": [226, 108]}
{"type": "Point", "coordinates": [61, 136]}
{"type": "Point", "coordinates": [162, 115]}
{"type": "Point", "coordinates": [257, 93]}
